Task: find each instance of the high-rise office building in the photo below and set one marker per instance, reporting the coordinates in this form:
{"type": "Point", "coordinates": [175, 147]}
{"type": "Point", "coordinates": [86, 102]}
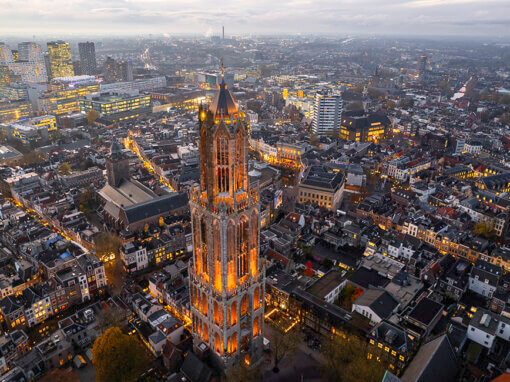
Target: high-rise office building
{"type": "Point", "coordinates": [61, 62]}
{"type": "Point", "coordinates": [30, 71]}
{"type": "Point", "coordinates": [5, 54]}
{"type": "Point", "coordinates": [126, 70]}
{"type": "Point", "coordinates": [226, 278]}
{"type": "Point", "coordinates": [30, 51]}
{"type": "Point", "coordinates": [77, 68]}
{"type": "Point", "coordinates": [47, 64]}
{"type": "Point", "coordinates": [88, 63]}
{"type": "Point", "coordinates": [327, 113]}
{"type": "Point", "coordinates": [7, 76]}
{"type": "Point", "coordinates": [117, 71]}
{"type": "Point", "coordinates": [27, 70]}
{"type": "Point", "coordinates": [111, 71]}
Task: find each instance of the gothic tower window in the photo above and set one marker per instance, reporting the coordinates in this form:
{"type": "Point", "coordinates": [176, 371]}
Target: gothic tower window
{"type": "Point", "coordinates": [242, 246]}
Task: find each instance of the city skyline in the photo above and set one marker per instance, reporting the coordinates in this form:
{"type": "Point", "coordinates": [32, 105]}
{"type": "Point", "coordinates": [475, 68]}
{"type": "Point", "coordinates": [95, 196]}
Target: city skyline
{"type": "Point", "coordinates": [252, 191]}
{"type": "Point", "coordinates": [128, 17]}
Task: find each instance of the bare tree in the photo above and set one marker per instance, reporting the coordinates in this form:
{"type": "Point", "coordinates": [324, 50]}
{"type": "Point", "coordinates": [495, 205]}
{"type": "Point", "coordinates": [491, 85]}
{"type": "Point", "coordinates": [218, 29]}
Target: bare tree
{"type": "Point", "coordinates": [283, 345]}
{"type": "Point", "coordinates": [110, 317]}
{"type": "Point", "coordinates": [244, 373]}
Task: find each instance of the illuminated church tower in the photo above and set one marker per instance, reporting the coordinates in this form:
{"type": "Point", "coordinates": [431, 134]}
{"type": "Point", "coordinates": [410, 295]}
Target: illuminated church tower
{"type": "Point", "coordinates": [226, 276]}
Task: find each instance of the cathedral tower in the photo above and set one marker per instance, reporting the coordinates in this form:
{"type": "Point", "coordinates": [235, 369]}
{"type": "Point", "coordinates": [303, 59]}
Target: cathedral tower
{"type": "Point", "coordinates": [226, 276]}
{"type": "Point", "coordinates": [117, 165]}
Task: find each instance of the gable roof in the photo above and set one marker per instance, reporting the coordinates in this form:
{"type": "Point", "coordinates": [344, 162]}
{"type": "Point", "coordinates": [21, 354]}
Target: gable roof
{"type": "Point", "coordinates": [155, 207]}
{"type": "Point", "coordinates": [435, 361]}
{"type": "Point", "coordinates": [195, 370]}
{"type": "Point", "coordinates": [380, 301]}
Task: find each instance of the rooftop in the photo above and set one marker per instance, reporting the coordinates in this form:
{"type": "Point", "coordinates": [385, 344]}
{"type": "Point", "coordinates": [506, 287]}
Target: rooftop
{"type": "Point", "coordinates": [326, 284]}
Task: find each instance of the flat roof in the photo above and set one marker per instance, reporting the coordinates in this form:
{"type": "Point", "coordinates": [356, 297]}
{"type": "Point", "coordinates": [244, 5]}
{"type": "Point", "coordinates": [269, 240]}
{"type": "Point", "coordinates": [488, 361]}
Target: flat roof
{"type": "Point", "coordinates": [326, 284]}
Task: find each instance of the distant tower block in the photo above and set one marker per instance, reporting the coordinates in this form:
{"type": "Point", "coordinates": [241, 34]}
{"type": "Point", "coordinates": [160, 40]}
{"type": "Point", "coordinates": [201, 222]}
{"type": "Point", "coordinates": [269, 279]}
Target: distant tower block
{"type": "Point", "coordinates": [226, 275]}
{"type": "Point", "coordinates": [223, 32]}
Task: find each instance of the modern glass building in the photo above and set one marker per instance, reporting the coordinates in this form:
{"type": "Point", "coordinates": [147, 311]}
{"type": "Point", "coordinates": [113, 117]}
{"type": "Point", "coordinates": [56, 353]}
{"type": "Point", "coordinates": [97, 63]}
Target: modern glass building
{"type": "Point", "coordinates": [118, 106]}
{"type": "Point", "coordinates": [61, 63]}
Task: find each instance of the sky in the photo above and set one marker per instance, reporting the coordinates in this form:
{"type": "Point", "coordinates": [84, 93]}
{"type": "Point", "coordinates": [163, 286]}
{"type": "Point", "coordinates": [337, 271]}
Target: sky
{"type": "Point", "coordinates": [205, 17]}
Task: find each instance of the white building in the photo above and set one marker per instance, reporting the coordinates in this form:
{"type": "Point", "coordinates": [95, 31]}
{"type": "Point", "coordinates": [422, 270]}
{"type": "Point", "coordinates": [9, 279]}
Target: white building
{"type": "Point", "coordinates": [134, 258]}
{"type": "Point", "coordinates": [305, 105]}
{"type": "Point", "coordinates": [484, 278]}
{"type": "Point", "coordinates": [404, 249]}
{"type": "Point", "coordinates": [327, 113]}
{"type": "Point", "coordinates": [38, 311]}
{"type": "Point", "coordinates": [473, 147]}
{"type": "Point", "coordinates": [460, 146]}
{"type": "Point", "coordinates": [376, 305]}
{"type": "Point", "coordinates": [485, 326]}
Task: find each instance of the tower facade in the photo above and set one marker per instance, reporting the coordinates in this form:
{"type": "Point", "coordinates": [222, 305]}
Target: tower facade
{"type": "Point", "coordinates": [117, 165]}
{"type": "Point", "coordinates": [226, 275]}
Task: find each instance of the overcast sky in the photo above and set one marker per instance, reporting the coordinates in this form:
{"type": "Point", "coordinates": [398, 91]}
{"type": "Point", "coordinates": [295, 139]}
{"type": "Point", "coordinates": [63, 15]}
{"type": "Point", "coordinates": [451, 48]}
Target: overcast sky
{"type": "Point", "coordinates": [201, 17]}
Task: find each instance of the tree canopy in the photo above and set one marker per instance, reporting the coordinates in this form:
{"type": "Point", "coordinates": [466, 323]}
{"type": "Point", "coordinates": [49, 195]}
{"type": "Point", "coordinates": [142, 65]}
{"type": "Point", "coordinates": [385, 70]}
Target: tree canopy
{"type": "Point", "coordinates": [64, 168]}
{"type": "Point", "coordinates": [484, 229]}
{"type": "Point", "coordinates": [110, 317]}
{"type": "Point", "coordinates": [92, 115]}
{"type": "Point", "coordinates": [31, 157]}
{"type": "Point", "coordinates": [107, 243]}
{"type": "Point", "coordinates": [118, 357]}
{"type": "Point", "coordinates": [87, 201]}
{"type": "Point", "coordinates": [61, 375]}
{"type": "Point", "coordinates": [345, 359]}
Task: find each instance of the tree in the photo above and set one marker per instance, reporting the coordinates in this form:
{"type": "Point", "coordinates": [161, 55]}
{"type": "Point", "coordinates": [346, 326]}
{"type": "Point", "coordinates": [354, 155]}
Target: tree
{"type": "Point", "coordinates": [406, 103]}
{"type": "Point", "coordinates": [31, 157]}
{"type": "Point", "coordinates": [265, 71]}
{"type": "Point", "coordinates": [356, 105]}
{"type": "Point", "coordinates": [107, 243]}
{"type": "Point", "coordinates": [334, 133]}
{"type": "Point", "coordinates": [118, 357]}
{"type": "Point", "coordinates": [327, 263]}
{"type": "Point", "coordinates": [375, 93]}
{"type": "Point", "coordinates": [110, 317]}
{"type": "Point", "coordinates": [61, 375]}
{"type": "Point", "coordinates": [64, 168]}
{"type": "Point", "coordinates": [391, 104]}
{"type": "Point", "coordinates": [484, 229]}
{"type": "Point", "coordinates": [314, 140]}
{"type": "Point", "coordinates": [282, 345]}
{"type": "Point", "coordinates": [345, 359]}
{"type": "Point", "coordinates": [55, 136]}
{"type": "Point", "coordinates": [245, 374]}
{"type": "Point", "coordinates": [87, 201]}
{"type": "Point", "coordinates": [92, 115]}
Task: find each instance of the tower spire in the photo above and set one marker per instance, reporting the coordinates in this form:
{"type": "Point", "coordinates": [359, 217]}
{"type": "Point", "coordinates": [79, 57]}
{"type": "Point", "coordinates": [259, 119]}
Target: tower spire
{"type": "Point", "coordinates": [222, 68]}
